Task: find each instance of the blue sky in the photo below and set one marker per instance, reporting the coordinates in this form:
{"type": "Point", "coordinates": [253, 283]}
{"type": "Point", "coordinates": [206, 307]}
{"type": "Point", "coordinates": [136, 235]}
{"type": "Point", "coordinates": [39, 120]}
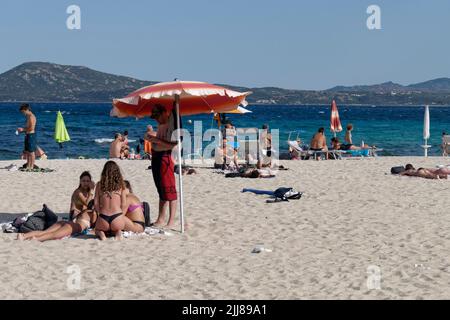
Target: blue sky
{"type": "Point", "coordinates": [288, 43]}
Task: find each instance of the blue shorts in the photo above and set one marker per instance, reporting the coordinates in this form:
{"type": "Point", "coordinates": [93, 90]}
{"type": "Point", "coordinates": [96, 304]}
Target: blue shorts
{"type": "Point", "coordinates": [30, 142]}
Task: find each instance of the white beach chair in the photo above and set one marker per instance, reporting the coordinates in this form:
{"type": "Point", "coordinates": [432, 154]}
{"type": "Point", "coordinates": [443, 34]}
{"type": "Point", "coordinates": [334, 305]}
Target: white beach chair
{"type": "Point", "coordinates": [296, 151]}
{"type": "Point", "coordinates": [445, 145]}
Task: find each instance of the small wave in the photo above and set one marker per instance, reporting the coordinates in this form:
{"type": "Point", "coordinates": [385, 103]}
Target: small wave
{"type": "Point", "coordinates": [47, 111]}
{"type": "Point", "coordinates": [321, 112]}
{"type": "Point", "coordinates": [108, 140]}
{"type": "Point", "coordinates": [103, 140]}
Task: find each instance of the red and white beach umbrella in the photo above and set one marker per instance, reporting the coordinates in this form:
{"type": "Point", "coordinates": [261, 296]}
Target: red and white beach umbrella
{"type": "Point", "coordinates": [194, 98]}
{"type": "Point", "coordinates": [335, 122]}
{"type": "Point", "coordinates": [190, 98]}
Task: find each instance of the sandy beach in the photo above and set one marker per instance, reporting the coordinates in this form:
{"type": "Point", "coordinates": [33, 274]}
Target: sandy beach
{"type": "Point", "coordinates": [354, 216]}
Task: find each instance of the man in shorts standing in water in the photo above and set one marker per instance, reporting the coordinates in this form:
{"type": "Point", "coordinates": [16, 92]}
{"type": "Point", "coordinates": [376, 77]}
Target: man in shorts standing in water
{"type": "Point", "coordinates": [30, 135]}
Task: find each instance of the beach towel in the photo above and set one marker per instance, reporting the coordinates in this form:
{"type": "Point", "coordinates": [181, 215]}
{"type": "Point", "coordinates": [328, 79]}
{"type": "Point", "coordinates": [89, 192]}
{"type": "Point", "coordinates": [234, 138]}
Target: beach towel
{"type": "Point", "coordinates": [149, 231]}
{"type": "Point", "coordinates": [41, 170]}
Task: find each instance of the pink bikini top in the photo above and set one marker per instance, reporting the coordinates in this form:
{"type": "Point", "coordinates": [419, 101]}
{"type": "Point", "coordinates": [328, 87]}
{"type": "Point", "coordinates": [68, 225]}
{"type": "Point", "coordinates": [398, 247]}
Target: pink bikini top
{"type": "Point", "coordinates": [134, 207]}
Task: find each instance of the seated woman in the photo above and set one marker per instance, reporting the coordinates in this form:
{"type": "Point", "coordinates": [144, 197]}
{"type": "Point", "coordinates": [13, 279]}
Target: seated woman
{"type": "Point", "coordinates": [134, 218]}
{"type": "Point", "coordinates": [81, 219]}
{"type": "Point", "coordinates": [225, 157]}
{"type": "Point", "coordinates": [82, 197]}
{"type": "Point", "coordinates": [110, 202]}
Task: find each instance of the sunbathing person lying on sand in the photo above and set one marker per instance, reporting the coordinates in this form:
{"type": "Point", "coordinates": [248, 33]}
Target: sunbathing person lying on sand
{"type": "Point", "coordinates": [425, 173]}
{"type": "Point", "coordinates": [82, 197]}
{"type": "Point", "coordinates": [337, 145]}
{"type": "Point", "coordinates": [134, 218]}
{"type": "Point", "coordinates": [110, 202]}
{"type": "Point", "coordinates": [62, 229]}
{"type": "Point", "coordinates": [252, 173]}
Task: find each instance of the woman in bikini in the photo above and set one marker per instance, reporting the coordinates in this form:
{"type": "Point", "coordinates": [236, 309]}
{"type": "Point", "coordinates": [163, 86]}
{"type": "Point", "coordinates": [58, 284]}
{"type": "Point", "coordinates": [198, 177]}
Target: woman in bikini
{"type": "Point", "coordinates": [110, 202]}
{"type": "Point", "coordinates": [82, 197]}
{"type": "Point", "coordinates": [425, 173]}
{"type": "Point", "coordinates": [134, 218]}
{"type": "Point", "coordinates": [81, 219]}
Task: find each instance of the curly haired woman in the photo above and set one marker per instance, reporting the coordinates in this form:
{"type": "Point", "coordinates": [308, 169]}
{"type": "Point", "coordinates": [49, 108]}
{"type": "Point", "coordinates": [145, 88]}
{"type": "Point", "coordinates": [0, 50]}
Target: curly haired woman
{"type": "Point", "coordinates": [110, 202]}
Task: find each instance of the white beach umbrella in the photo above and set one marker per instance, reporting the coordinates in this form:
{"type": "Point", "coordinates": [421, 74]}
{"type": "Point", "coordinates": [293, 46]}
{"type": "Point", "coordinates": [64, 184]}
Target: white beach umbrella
{"type": "Point", "coordinates": [426, 130]}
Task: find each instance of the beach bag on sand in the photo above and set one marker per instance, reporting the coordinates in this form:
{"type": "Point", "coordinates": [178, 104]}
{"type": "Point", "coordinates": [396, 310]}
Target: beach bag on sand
{"type": "Point", "coordinates": [146, 213]}
{"type": "Point", "coordinates": [286, 194]}
{"type": "Point", "coordinates": [39, 221]}
{"type": "Point", "coordinates": [397, 170]}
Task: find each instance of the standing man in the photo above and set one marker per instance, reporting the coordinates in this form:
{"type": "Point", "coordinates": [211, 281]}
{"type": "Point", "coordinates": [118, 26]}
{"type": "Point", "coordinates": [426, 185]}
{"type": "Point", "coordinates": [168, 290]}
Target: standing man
{"type": "Point", "coordinates": [265, 140]}
{"type": "Point", "coordinates": [162, 164]}
{"type": "Point", "coordinates": [30, 135]}
{"type": "Point", "coordinates": [116, 147]}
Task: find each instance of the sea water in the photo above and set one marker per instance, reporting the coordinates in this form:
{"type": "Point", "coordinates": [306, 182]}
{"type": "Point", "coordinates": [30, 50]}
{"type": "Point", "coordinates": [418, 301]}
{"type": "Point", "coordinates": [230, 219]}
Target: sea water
{"type": "Point", "coordinates": [397, 130]}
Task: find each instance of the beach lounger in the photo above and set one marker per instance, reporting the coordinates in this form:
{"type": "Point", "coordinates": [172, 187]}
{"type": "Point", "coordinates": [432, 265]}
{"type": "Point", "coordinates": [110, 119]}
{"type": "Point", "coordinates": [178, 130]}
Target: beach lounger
{"type": "Point", "coordinates": [362, 153]}
{"type": "Point", "coordinates": [300, 153]}
{"type": "Point", "coordinates": [445, 145]}
{"type": "Point", "coordinates": [297, 152]}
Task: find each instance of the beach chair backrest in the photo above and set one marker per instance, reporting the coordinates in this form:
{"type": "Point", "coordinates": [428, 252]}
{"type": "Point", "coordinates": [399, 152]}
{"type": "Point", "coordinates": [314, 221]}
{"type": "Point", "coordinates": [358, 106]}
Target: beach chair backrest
{"type": "Point", "coordinates": [294, 145]}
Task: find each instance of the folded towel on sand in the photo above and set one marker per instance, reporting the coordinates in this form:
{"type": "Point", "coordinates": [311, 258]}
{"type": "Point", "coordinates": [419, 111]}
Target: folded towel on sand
{"type": "Point", "coordinates": [149, 231]}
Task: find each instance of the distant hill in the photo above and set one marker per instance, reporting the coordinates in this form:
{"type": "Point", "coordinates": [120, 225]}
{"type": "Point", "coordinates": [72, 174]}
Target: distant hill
{"type": "Point", "coordinates": [436, 85]}
{"type": "Point", "coordinates": [41, 81]}
{"type": "Point", "coordinates": [381, 88]}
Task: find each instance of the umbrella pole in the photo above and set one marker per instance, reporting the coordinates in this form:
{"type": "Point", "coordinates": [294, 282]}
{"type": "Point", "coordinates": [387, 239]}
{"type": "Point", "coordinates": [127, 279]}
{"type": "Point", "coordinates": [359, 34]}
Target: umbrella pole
{"type": "Point", "coordinates": [426, 148]}
{"type": "Point", "coordinates": [180, 173]}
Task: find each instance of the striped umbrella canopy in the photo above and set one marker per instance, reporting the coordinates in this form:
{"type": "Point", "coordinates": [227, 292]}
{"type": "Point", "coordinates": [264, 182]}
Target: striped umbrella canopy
{"type": "Point", "coordinates": [194, 98]}
{"type": "Point", "coordinates": [335, 122]}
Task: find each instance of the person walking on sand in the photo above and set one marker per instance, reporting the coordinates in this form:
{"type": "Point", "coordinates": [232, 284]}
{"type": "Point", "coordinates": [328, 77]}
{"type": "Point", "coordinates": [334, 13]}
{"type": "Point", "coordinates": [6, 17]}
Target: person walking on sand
{"type": "Point", "coordinates": [162, 164]}
{"type": "Point", "coordinates": [115, 150]}
{"type": "Point", "coordinates": [30, 143]}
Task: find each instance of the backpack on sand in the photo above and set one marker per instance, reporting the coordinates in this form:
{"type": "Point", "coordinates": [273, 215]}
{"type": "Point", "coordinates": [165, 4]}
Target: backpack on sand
{"type": "Point", "coordinates": [285, 194]}
{"type": "Point", "coordinates": [39, 221]}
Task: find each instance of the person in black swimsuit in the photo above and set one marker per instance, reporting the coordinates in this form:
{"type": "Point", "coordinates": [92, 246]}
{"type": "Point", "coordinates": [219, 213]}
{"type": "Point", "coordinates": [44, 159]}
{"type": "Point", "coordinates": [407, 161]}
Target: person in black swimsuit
{"type": "Point", "coordinates": [110, 202]}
